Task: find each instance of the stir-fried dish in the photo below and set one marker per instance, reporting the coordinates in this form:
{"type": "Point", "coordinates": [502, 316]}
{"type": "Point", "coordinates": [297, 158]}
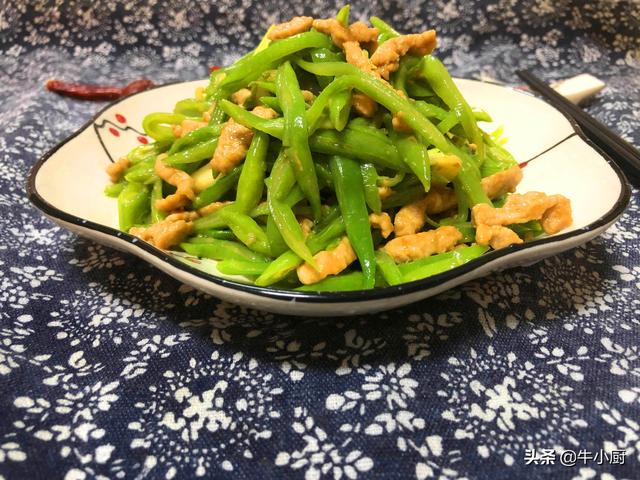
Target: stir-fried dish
{"type": "Point", "coordinates": [335, 156]}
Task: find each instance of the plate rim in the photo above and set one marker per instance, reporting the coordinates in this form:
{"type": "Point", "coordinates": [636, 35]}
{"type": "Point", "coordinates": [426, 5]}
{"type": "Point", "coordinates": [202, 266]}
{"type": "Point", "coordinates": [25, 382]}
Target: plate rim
{"type": "Point", "coordinates": [355, 296]}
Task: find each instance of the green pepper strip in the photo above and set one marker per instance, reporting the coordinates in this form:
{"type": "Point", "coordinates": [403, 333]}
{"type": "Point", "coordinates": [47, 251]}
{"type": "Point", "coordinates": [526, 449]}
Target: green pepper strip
{"type": "Point", "coordinates": [209, 240]}
{"type": "Point", "coordinates": [145, 152]}
{"type": "Point", "coordinates": [219, 188]}
{"type": "Point", "coordinates": [142, 172]}
{"type": "Point", "coordinates": [277, 243]}
{"type": "Point", "coordinates": [241, 267]}
{"type": "Point", "coordinates": [273, 127]}
{"type": "Point", "coordinates": [156, 125]}
{"type": "Point", "coordinates": [213, 92]}
{"type": "Point", "coordinates": [370, 184]}
{"type": "Point", "coordinates": [482, 116]}
{"type": "Point", "coordinates": [156, 194]}
{"type": "Point", "coordinates": [443, 262]}
{"type": "Point", "coordinates": [337, 283]}
{"type": "Point", "coordinates": [223, 250]}
{"type": "Point", "coordinates": [191, 107]}
{"type": "Point", "coordinates": [251, 181]}
{"type": "Point", "coordinates": [281, 182]}
{"type": "Point", "coordinates": [430, 111]}
{"type": "Point", "coordinates": [196, 153]}
{"type": "Point", "coordinates": [449, 122]}
{"type": "Point", "coordinates": [294, 196]}
{"type": "Point", "coordinates": [264, 43]}
{"type": "Point", "coordinates": [321, 55]}
{"type": "Point", "coordinates": [214, 220]}
{"type": "Point", "coordinates": [385, 31]}
{"type": "Point", "coordinates": [217, 116]}
{"type": "Point", "coordinates": [498, 158]}
{"type": "Point", "coordinates": [388, 267]}
{"type": "Point", "coordinates": [414, 153]}
{"type": "Point", "coordinates": [271, 102]}
{"type": "Point", "coordinates": [251, 68]}
{"type": "Point", "coordinates": [340, 109]}
{"type": "Point", "coordinates": [291, 232]}
{"type": "Point", "coordinates": [442, 83]}
{"type": "Point", "coordinates": [262, 209]}
{"type": "Point", "coordinates": [463, 206]}
{"type": "Point", "coordinates": [210, 221]}
{"type": "Point", "coordinates": [396, 180]}
{"type": "Point", "coordinates": [195, 137]}
{"type": "Point", "coordinates": [296, 134]}
{"type": "Point", "coordinates": [217, 234]}
{"type": "Point", "coordinates": [343, 15]}
{"type": "Point", "coordinates": [348, 185]}
{"type": "Point", "coordinates": [370, 147]}
{"type": "Point", "coordinates": [399, 80]}
{"type": "Point", "coordinates": [469, 174]}
{"type": "Point", "coordinates": [331, 228]}
{"type": "Point", "coordinates": [113, 190]}
{"type": "Point", "coordinates": [527, 230]}
{"type": "Point", "coordinates": [340, 104]}
{"type": "Point", "coordinates": [365, 144]}
{"type": "Point", "coordinates": [133, 205]}
{"type": "Point", "coordinates": [416, 90]}
{"type": "Point", "coordinates": [246, 230]}
{"type": "Point", "coordinates": [401, 197]}
{"type": "Point", "coordinates": [324, 175]}
{"type": "Point", "coordinates": [365, 125]}
{"type": "Point", "coordinates": [268, 86]}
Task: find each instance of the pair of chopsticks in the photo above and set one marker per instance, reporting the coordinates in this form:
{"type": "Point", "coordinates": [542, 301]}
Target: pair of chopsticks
{"type": "Point", "coordinates": [621, 152]}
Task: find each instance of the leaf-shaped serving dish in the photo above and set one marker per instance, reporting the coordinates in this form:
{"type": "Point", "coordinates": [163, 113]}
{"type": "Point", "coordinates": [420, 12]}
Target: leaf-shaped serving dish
{"type": "Point", "coordinates": [67, 185]}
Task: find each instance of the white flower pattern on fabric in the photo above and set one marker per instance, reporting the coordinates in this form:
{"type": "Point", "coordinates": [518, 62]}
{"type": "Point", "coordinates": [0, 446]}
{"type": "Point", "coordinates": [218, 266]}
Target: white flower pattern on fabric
{"type": "Point", "coordinates": [423, 329]}
{"type": "Point", "coordinates": [108, 317]}
{"type": "Point", "coordinates": [320, 457]}
{"type": "Point", "coordinates": [627, 438]}
{"type": "Point", "coordinates": [14, 345]}
{"type": "Point", "coordinates": [622, 360]}
{"type": "Point", "coordinates": [98, 258]}
{"type": "Point", "coordinates": [200, 411]}
{"type": "Point", "coordinates": [69, 423]}
{"type": "Point", "coordinates": [386, 396]}
{"type": "Point", "coordinates": [194, 407]}
{"type": "Point", "coordinates": [10, 451]}
{"type": "Point", "coordinates": [492, 414]}
{"type": "Point", "coordinates": [147, 351]}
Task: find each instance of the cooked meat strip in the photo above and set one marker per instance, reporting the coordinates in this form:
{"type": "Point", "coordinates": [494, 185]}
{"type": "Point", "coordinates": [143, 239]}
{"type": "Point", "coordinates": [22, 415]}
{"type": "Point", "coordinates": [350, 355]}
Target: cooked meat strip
{"type": "Point", "coordinates": [423, 244]}
{"type": "Point", "coordinates": [330, 262]}
{"type": "Point", "coordinates": [287, 29]}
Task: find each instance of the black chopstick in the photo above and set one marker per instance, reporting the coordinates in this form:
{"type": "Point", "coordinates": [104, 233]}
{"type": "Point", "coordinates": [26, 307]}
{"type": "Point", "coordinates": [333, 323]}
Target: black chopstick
{"type": "Point", "coordinates": [621, 152]}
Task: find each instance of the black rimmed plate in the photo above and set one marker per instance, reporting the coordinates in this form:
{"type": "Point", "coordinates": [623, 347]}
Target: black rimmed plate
{"type": "Point", "coordinates": [67, 184]}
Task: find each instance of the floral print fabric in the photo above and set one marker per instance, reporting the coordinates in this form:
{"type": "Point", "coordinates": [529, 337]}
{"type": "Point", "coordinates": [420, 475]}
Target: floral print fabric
{"type": "Point", "coordinates": [111, 369]}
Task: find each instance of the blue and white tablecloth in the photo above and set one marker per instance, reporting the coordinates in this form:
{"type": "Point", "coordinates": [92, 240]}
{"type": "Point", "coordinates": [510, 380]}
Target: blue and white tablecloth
{"type": "Point", "coordinates": [111, 369]}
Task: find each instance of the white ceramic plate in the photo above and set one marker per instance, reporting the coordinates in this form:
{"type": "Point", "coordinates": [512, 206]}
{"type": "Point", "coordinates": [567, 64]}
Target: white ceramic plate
{"type": "Point", "coordinates": [67, 185]}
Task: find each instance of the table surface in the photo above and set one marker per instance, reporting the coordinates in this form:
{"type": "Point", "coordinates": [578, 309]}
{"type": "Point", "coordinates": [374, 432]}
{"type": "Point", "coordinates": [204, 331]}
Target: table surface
{"type": "Point", "coordinates": [111, 369]}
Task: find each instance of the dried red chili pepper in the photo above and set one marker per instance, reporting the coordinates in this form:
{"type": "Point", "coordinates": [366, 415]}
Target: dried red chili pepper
{"type": "Point", "coordinates": [87, 91]}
